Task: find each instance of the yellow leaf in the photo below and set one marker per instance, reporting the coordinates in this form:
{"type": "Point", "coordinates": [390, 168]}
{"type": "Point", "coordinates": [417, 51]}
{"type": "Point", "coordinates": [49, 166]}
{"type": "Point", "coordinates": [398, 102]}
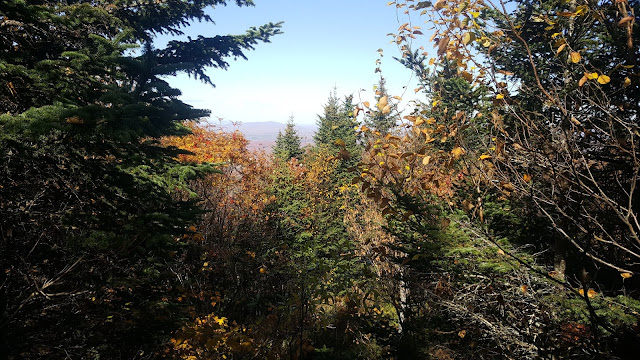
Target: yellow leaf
{"type": "Point", "coordinates": [526, 177]}
{"type": "Point", "coordinates": [366, 104]}
{"type": "Point", "coordinates": [590, 293]}
{"type": "Point", "coordinates": [603, 79]}
{"type": "Point", "coordinates": [426, 160]}
{"type": "Point", "coordinates": [386, 109]}
{"type": "Point", "coordinates": [581, 10]}
{"type": "Point", "coordinates": [484, 157]}
{"type": "Point", "coordinates": [627, 82]}
{"type": "Point", "coordinates": [524, 289]}
{"type": "Point", "coordinates": [626, 275]}
{"type": "Point", "coordinates": [467, 38]}
{"type": "Point", "coordinates": [457, 152]}
{"type": "Point", "coordinates": [592, 76]}
{"type": "Point", "coordinates": [561, 48]}
{"type": "Point", "coordinates": [382, 102]}
{"type": "Point", "coordinates": [499, 96]}
{"type": "Point", "coordinates": [462, 333]}
{"type": "Point", "coordinates": [475, 14]}
{"type": "Point", "coordinates": [432, 61]}
{"type": "Point", "coordinates": [575, 57]}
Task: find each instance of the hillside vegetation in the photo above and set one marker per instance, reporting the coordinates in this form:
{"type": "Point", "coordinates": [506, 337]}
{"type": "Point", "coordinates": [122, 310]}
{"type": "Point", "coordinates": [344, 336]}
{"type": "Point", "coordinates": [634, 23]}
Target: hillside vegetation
{"type": "Point", "coordinates": [497, 218]}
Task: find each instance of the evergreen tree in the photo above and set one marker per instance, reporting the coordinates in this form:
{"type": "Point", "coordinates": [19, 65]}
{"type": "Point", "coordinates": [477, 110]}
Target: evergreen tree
{"type": "Point", "coordinates": [336, 132]}
{"type": "Point", "coordinates": [91, 205]}
{"type": "Point", "coordinates": [287, 145]}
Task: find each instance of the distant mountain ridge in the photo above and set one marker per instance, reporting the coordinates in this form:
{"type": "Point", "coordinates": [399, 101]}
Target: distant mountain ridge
{"type": "Point", "coordinates": [262, 135]}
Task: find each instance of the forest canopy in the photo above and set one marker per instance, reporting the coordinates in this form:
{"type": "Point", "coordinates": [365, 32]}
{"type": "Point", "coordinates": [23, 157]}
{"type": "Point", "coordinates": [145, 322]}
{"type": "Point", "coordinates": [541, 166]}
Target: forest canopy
{"type": "Point", "coordinates": [495, 217]}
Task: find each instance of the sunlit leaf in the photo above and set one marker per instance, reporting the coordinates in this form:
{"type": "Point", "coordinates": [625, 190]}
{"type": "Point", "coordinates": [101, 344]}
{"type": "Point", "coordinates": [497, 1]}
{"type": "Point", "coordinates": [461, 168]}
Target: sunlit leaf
{"type": "Point", "coordinates": [590, 293]}
{"type": "Point", "coordinates": [603, 79]}
{"type": "Point", "coordinates": [561, 48]}
{"type": "Point", "coordinates": [382, 102]}
{"type": "Point", "coordinates": [468, 37]}
{"type": "Point", "coordinates": [575, 57]}
{"type": "Point", "coordinates": [592, 76]}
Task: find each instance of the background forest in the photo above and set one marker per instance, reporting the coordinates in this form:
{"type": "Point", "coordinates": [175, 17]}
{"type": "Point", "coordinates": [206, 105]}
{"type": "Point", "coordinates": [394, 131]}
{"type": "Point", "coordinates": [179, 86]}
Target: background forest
{"type": "Point", "coordinates": [495, 218]}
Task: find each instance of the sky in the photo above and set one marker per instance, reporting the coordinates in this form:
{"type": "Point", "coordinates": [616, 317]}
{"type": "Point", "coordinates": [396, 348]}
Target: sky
{"type": "Point", "coordinates": [324, 44]}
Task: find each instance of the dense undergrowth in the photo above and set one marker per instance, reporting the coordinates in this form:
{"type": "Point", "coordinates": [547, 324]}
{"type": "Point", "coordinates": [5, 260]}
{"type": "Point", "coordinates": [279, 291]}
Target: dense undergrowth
{"type": "Point", "coordinates": [497, 218]}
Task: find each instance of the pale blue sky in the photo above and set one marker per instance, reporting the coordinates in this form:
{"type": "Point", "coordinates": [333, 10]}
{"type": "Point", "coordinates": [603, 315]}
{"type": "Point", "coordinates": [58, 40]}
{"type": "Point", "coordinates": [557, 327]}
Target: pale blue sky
{"type": "Point", "coordinates": [325, 44]}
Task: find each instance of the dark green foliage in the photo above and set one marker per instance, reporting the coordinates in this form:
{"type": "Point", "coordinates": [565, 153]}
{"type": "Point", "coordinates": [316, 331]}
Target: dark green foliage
{"type": "Point", "coordinates": [287, 145]}
{"type": "Point", "coordinates": [336, 133]}
{"type": "Point", "coordinates": [90, 205]}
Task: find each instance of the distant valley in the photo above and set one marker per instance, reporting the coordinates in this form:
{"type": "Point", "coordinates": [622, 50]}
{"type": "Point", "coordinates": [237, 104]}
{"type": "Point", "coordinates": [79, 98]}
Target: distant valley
{"type": "Point", "coordinates": [262, 135]}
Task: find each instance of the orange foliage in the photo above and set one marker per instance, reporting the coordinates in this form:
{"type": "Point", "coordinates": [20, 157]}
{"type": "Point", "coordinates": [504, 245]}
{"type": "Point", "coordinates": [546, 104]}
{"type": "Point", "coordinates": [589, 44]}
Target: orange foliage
{"type": "Point", "coordinates": [210, 144]}
{"type": "Point", "coordinates": [233, 237]}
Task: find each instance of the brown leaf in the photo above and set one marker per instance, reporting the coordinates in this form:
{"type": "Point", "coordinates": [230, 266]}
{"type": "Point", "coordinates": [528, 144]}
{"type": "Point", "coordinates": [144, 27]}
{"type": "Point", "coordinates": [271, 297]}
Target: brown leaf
{"type": "Point", "coordinates": [582, 81]}
{"type": "Point", "coordinates": [442, 45]}
{"type": "Point", "coordinates": [467, 205]}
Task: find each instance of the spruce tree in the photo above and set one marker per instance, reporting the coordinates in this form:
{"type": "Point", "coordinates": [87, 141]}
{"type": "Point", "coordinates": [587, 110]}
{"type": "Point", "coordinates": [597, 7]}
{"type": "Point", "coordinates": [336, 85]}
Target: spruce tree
{"type": "Point", "coordinates": [287, 145]}
{"type": "Point", "coordinates": [336, 131]}
{"type": "Point", "coordinates": [91, 204]}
